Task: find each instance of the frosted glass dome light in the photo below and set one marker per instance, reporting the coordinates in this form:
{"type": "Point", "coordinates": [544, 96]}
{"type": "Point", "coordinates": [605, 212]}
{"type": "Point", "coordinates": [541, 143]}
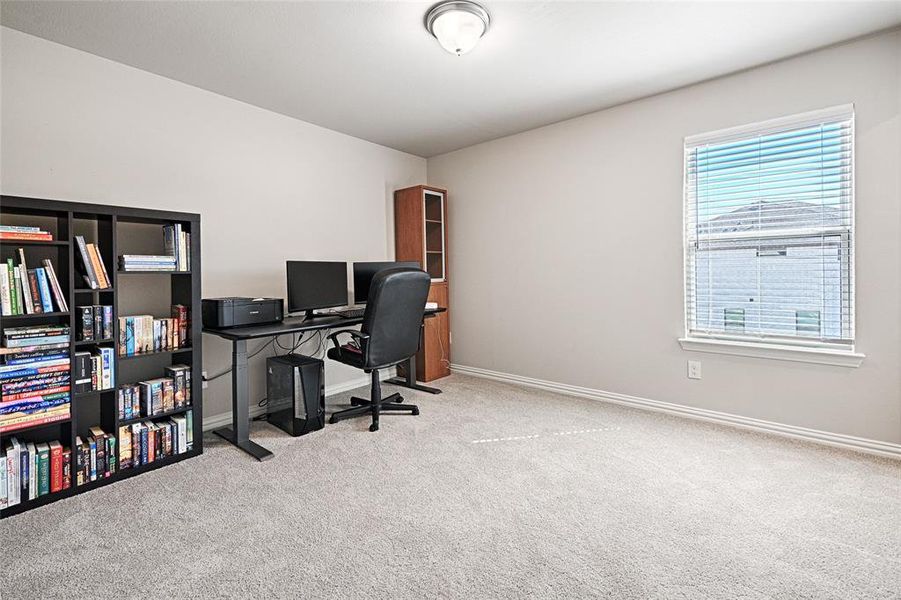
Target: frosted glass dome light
{"type": "Point", "coordinates": [457, 25]}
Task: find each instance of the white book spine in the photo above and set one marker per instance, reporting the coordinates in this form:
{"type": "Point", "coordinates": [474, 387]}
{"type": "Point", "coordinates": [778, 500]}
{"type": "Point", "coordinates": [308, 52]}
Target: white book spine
{"type": "Point", "coordinates": [32, 471]}
{"type": "Point", "coordinates": [178, 252]}
{"type": "Point", "coordinates": [13, 485]}
{"type": "Point", "coordinates": [6, 304]}
{"type": "Point", "coordinates": [4, 491]}
{"type": "Point", "coordinates": [26, 289]}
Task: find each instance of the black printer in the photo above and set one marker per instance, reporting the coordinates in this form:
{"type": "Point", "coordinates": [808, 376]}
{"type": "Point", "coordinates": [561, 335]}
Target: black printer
{"type": "Point", "coordinates": [235, 312]}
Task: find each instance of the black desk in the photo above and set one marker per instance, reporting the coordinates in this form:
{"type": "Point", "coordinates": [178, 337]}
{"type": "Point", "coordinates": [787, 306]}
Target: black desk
{"type": "Point", "coordinates": [239, 433]}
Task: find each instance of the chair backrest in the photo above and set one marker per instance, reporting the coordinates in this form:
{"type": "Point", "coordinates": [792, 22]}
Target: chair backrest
{"type": "Point", "coordinates": [393, 316]}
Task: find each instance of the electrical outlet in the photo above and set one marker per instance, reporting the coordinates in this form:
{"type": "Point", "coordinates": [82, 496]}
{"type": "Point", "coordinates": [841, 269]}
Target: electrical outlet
{"type": "Point", "coordinates": [694, 369]}
{"type": "Point", "coordinates": [203, 379]}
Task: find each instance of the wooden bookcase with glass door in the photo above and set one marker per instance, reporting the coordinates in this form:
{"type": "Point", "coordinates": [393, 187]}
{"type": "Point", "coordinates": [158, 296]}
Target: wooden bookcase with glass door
{"type": "Point", "coordinates": [420, 234]}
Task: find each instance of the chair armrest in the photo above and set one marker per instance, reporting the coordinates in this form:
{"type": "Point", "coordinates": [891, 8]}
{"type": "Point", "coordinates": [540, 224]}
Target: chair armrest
{"type": "Point", "coordinates": [362, 337]}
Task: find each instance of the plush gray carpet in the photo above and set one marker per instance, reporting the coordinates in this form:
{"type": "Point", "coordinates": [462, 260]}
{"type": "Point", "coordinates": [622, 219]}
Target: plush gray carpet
{"type": "Point", "coordinates": [494, 491]}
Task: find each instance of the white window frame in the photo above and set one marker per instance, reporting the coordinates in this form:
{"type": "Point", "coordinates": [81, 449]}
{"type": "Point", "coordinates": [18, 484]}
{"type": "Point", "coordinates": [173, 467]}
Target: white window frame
{"type": "Point", "coordinates": [800, 350]}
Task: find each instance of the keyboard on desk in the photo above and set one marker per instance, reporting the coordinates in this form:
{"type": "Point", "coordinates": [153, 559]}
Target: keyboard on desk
{"type": "Point", "coordinates": [350, 313]}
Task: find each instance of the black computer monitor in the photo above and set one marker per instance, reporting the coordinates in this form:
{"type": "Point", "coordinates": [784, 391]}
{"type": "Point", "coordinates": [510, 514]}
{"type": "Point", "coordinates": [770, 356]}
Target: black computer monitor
{"type": "Point", "coordinates": [365, 271]}
{"type": "Point", "coordinates": [316, 284]}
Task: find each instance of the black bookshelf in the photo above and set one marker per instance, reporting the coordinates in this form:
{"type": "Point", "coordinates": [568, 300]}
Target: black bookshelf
{"type": "Point", "coordinates": [105, 225]}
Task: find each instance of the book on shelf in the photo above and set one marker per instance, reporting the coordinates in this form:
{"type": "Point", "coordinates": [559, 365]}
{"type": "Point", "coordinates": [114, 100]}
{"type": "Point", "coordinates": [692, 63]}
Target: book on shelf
{"type": "Point", "coordinates": [155, 397]}
{"type": "Point", "coordinates": [96, 456]}
{"type": "Point", "coordinates": [25, 291]}
{"type": "Point", "coordinates": [177, 257]}
{"type": "Point", "coordinates": [141, 334]}
{"type": "Point", "coordinates": [93, 269]}
{"type": "Point", "coordinates": [94, 322]}
{"type": "Point", "coordinates": [139, 262]}
{"type": "Point", "coordinates": [178, 244]}
{"type": "Point", "coordinates": [30, 470]}
{"type": "Point", "coordinates": [148, 441]}
{"type": "Point", "coordinates": [94, 371]}
{"type": "Point", "coordinates": [34, 379]}
{"type": "Point", "coordinates": [22, 232]}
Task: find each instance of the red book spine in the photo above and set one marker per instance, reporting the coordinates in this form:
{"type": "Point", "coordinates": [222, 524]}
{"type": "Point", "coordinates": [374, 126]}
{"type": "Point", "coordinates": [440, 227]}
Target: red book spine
{"type": "Point", "coordinates": [56, 467]}
{"type": "Point", "coordinates": [7, 235]}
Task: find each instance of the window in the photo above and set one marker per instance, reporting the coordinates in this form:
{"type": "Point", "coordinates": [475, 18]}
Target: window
{"type": "Point", "coordinates": [769, 232]}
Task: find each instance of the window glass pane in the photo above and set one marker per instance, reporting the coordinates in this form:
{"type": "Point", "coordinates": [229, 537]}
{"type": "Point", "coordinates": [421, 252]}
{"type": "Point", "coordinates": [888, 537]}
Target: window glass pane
{"type": "Point", "coordinates": [769, 232]}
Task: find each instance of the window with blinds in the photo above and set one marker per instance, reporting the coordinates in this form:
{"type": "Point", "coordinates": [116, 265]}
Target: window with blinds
{"type": "Point", "coordinates": [769, 231]}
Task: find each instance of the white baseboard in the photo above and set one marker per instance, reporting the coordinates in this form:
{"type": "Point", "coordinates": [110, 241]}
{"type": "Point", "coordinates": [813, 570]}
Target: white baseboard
{"type": "Point", "coordinates": [225, 419]}
{"type": "Point", "coordinates": [887, 449]}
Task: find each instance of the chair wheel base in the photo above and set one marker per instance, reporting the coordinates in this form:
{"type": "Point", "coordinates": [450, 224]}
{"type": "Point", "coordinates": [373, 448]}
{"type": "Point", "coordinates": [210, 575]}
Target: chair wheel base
{"type": "Point", "coordinates": [415, 411]}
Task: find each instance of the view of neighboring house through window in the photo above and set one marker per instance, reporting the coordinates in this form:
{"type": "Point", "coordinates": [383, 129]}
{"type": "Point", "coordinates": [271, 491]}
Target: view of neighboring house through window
{"type": "Point", "coordinates": [769, 231]}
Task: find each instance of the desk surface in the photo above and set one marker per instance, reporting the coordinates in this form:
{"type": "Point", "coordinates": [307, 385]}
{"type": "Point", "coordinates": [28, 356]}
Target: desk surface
{"type": "Point", "coordinates": [294, 325]}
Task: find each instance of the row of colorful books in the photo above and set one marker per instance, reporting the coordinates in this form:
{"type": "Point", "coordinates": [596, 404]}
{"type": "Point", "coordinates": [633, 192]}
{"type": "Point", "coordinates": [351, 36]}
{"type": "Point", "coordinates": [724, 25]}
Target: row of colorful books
{"type": "Point", "coordinates": [93, 269]}
{"type": "Point", "coordinates": [141, 334]}
{"type": "Point", "coordinates": [95, 370]}
{"type": "Point", "coordinates": [94, 322]}
{"type": "Point", "coordinates": [35, 383]}
{"type": "Point", "coordinates": [148, 441]}
{"type": "Point", "coordinates": [21, 232]}
{"type": "Point", "coordinates": [95, 457]}
{"type": "Point", "coordinates": [29, 471]}
{"type": "Point", "coordinates": [156, 396]}
{"type": "Point", "coordinates": [25, 291]}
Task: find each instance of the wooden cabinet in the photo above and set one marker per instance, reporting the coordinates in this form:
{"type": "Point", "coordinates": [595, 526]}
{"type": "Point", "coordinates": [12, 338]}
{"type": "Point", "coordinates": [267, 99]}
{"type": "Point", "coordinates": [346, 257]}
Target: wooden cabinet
{"type": "Point", "coordinates": [420, 234]}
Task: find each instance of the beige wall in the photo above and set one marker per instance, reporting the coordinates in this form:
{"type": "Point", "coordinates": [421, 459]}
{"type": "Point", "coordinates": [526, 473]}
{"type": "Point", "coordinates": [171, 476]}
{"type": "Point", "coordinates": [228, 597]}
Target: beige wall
{"type": "Point", "coordinates": [268, 187]}
{"type": "Point", "coordinates": [566, 247]}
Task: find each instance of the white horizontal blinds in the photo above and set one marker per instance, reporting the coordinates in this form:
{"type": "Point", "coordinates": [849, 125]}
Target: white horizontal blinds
{"type": "Point", "coordinates": [769, 230]}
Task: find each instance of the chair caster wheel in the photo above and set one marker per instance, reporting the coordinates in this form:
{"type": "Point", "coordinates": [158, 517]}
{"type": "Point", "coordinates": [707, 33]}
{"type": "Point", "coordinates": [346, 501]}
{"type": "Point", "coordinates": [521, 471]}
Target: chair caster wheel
{"type": "Point", "coordinates": [399, 399]}
{"type": "Point", "coordinates": [373, 427]}
{"type": "Point", "coordinates": [355, 402]}
{"type": "Point", "coordinates": [415, 411]}
{"type": "Point", "coordinates": [332, 421]}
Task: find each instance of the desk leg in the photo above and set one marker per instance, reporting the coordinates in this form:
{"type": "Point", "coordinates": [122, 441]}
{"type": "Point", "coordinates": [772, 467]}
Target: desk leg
{"type": "Point", "coordinates": [410, 380]}
{"type": "Point", "coordinates": [239, 433]}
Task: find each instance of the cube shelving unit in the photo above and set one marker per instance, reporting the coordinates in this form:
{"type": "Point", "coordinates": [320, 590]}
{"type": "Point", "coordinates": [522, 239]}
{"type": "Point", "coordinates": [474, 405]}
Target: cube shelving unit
{"type": "Point", "coordinates": [116, 230]}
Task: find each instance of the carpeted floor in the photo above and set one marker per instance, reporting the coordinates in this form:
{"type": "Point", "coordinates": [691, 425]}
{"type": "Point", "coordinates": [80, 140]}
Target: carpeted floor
{"type": "Point", "coordinates": [494, 491]}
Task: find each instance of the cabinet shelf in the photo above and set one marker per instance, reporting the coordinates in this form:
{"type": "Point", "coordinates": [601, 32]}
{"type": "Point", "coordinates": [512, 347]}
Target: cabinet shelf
{"type": "Point", "coordinates": [155, 353]}
{"type": "Point", "coordinates": [154, 272]}
{"type": "Point", "coordinates": [46, 315]}
{"type": "Point", "coordinates": [33, 243]}
{"type": "Point", "coordinates": [82, 343]}
{"type": "Point", "coordinates": [168, 413]}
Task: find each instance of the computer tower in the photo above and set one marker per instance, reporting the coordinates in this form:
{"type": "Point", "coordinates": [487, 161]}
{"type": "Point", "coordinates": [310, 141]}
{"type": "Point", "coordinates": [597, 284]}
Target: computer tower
{"type": "Point", "coordinates": [295, 392]}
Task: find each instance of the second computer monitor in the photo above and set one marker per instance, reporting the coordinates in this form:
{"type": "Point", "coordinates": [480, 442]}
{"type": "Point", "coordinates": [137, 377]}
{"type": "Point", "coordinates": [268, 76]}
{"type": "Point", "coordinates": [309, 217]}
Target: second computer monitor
{"type": "Point", "coordinates": [365, 271]}
{"type": "Point", "coordinates": [316, 284]}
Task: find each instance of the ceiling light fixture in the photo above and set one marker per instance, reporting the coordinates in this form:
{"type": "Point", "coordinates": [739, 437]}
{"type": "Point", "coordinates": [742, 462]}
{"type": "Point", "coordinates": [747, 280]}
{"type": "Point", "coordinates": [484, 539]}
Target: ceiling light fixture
{"type": "Point", "coordinates": [458, 25]}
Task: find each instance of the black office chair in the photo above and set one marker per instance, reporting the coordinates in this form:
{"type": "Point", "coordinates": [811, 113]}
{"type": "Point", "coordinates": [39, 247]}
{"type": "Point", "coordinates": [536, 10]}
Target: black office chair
{"type": "Point", "coordinates": [389, 335]}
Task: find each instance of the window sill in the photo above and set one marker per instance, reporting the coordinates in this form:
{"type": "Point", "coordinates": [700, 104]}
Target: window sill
{"type": "Point", "coordinates": [822, 356]}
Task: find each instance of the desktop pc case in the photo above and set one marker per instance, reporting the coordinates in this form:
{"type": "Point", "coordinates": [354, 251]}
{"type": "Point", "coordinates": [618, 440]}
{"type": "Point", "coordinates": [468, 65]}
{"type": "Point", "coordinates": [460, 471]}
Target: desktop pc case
{"type": "Point", "coordinates": [295, 392]}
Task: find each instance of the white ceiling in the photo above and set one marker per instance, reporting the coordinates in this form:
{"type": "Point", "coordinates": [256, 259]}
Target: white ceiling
{"type": "Point", "coordinates": [369, 69]}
